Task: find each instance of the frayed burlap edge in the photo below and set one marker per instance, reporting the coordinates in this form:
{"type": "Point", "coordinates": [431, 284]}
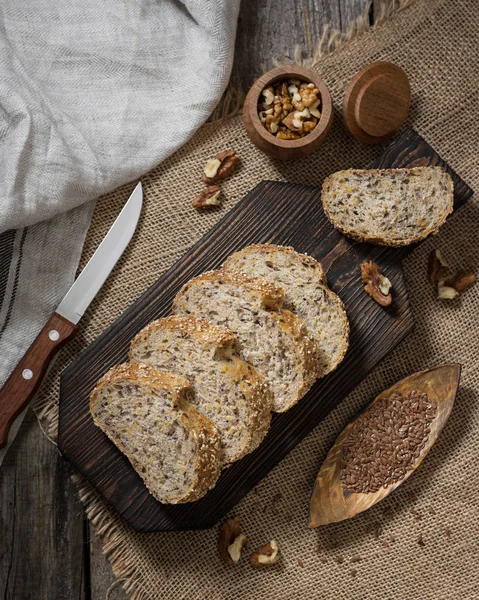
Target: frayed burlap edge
{"type": "Point", "coordinates": [331, 40]}
{"type": "Point", "coordinates": [103, 519]}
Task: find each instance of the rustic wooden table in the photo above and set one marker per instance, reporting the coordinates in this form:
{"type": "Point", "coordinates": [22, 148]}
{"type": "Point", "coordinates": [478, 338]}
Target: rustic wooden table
{"type": "Point", "coordinates": [48, 549]}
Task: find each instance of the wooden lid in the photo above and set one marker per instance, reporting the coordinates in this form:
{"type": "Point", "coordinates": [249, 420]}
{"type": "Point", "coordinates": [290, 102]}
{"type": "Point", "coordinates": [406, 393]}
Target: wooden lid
{"type": "Point", "coordinates": [376, 102]}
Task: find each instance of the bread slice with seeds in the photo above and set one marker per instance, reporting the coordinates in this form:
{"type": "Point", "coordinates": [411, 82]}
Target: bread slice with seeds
{"type": "Point", "coordinates": [306, 293]}
{"type": "Point", "coordinates": [273, 340]}
{"type": "Point", "coordinates": [173, 447]}
{"type": "Point", "coordinates": [228, 390]}
{"type": "Point", "coordinates": [390, 207]}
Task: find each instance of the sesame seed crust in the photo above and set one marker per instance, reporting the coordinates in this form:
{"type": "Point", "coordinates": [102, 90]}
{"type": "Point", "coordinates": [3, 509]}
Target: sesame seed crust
{"type": "Point", "coordinates": [201, 330]}
{"type": "Point", "coordinates": [269, 295]}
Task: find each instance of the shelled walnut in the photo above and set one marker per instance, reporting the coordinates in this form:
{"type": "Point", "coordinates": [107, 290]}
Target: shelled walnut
{"type": "Point", "coordinates": [208, 197]}
{"type": "Point", "coordinates": [375, 284]}
{"type": "Point", "coordinates": [217, 168]}
{"type": "Point", "coordinates": [220, 167]}
{"type": "Point", "coordinates": [290, 109]}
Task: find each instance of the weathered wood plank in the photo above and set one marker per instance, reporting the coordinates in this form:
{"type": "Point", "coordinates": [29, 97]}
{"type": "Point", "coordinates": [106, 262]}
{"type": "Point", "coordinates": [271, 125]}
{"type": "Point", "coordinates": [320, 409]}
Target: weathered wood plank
{"type": "Point", "coordinates": [269, 30]}
{"type": "Point", "coordinates": [41, 522]}
{"type": "Point", "coordinates": [101, 574]}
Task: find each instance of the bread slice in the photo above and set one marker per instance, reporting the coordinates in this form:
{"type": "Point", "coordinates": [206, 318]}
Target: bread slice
{"type": "Point", "coordinates": [228, 390]}
{"type": "Point", "coordinates": [306, 293]}
{"type": "Point", "coordinates": [390, 207]}
{"type": "Point", "coordinates": [173, 447]}
{"type": "Point", "coordinates": [273, 340]}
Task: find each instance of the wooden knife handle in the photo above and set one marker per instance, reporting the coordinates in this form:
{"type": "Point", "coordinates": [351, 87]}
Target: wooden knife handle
{"type": "Point", "coordinates": [25, 379]}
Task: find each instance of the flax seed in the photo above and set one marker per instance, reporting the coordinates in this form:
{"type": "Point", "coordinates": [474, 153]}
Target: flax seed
{"type": "Point", "coordinates": [385, 442]}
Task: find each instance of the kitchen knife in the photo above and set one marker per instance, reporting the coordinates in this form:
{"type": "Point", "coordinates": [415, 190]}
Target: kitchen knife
{"type": "Point", "coordinates": [25, 379]}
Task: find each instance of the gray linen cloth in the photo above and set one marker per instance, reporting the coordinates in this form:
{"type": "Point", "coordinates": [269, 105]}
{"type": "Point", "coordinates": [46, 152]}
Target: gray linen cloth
{"type": "Point", "coordinates": [93, 94]}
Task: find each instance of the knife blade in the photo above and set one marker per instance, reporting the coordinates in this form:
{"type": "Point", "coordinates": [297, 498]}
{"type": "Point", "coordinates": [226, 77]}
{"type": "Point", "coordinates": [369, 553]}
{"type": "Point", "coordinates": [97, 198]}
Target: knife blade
{"type": "Point", "coordinates": [26, 377]}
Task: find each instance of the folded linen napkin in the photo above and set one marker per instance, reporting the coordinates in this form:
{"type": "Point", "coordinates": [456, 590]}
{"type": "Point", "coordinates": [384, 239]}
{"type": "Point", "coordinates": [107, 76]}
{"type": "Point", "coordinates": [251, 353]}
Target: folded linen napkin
{"type": "Point", "coordinates": [92, 95]}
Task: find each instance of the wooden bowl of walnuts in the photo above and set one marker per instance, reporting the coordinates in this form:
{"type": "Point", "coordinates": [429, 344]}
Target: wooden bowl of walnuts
{"type": "Point", "coordinates": [288, 112]}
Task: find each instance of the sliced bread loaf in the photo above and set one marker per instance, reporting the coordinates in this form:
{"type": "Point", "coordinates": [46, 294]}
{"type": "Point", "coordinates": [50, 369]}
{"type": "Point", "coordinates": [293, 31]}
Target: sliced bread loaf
{"type": "Point", "coordinates": [390, 207]}
{"type": "Point", "coordinates": [173, 447]}
{"type": "Point", "coordinates": [273, 340]}
{"type": "Point", "coordinates": [228, 390]}
{"type": "Point", "coordinates": [306, 293]}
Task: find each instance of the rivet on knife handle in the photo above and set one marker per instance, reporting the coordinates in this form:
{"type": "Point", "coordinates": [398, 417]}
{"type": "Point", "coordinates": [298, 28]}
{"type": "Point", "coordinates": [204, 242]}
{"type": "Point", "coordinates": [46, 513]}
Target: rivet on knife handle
{"type": "Point", "coordinates": [23, 382]}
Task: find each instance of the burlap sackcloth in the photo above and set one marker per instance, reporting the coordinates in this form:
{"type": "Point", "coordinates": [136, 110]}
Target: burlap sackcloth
{"type": "Point", "coordinates": [437, 44]}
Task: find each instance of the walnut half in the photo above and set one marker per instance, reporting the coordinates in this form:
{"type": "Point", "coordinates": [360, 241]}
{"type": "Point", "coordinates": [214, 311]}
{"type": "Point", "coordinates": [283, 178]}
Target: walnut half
{"type": "Point", "coordinates": [448, 286]}
{"type": "Point", "coordinates": [375, 284]}
{"type": "Point", "coordinates": [208, 197]}
{"type": "Point", "coordinates": [266, 555]}
{"type": "Point", "coordinates": [220, 167]}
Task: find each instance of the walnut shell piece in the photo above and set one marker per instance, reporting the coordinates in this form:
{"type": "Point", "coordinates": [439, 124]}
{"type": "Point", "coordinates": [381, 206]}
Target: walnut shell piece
{"type": "Point", "coordinates": [228, 161]}
{"type": "Point", "coordinates": [375, 284]}
{"type": "Point", "coordinates": [265, 555]}
{"type": "Point", "coordinates": [229, 532]}
{"type": "Point", "coordinates": [208, 197]}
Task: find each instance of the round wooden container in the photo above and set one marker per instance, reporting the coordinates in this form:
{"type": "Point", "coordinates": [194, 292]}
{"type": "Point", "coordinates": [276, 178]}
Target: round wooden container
{"type": "Point", "coordinates": [267, 142]}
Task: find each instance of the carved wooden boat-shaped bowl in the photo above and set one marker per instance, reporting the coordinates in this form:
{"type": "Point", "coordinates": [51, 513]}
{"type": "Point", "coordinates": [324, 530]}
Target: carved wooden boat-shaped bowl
{"type": "Point", "coordinates": [331, 501]}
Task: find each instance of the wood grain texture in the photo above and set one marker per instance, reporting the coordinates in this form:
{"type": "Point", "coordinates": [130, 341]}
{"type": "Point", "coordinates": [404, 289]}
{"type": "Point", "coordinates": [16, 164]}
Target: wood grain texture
{"type": "Point", "coordinates": [268, 143]}
{"type": "Point", "coordinates": [269, 30]}
{"type": "Point", "coordinates": [102, 580]}
{"type": "Point", "coordinates": [25, 379]}
{"type": "Point", "coordinates": [41, 522]}
{"type": "Point", "coordinates": [376, 102]}
{"type": "Point", "coordinates": [277, 213]}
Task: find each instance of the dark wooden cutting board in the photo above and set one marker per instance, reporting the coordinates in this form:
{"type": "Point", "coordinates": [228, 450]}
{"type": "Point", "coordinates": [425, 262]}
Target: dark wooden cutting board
{"type": "Point", "coordinates": [273, 212]}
